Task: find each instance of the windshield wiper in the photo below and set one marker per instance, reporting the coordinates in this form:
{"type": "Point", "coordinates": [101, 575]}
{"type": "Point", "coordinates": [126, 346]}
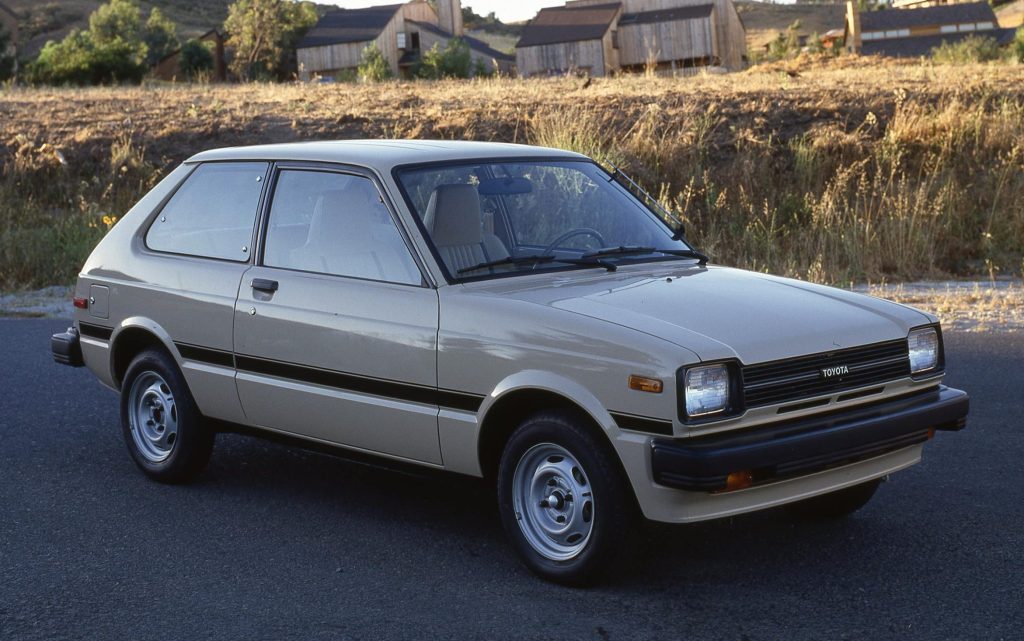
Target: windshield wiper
{"type": "Point", "coordinates": [540, 258]}
{"type": "Point", "coordinates": [636, 250]}
{"type": "Point", "coordinates": [510, 260]}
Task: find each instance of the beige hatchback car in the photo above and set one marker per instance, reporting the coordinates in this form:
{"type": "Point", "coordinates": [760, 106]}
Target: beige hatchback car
{"type": "Point", "coordinates": [500, 311]}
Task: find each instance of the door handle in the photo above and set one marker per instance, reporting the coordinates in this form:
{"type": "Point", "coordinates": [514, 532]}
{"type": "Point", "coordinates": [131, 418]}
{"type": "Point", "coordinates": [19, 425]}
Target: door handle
{"type": "Point", "coordinates": [264, 284]}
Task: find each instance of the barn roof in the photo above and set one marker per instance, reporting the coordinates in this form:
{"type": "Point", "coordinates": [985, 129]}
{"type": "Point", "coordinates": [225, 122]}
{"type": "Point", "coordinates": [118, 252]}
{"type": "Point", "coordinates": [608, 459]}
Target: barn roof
{"type": "Point", "coordinates": [569, 24]}
{"type": "Point", "coordinates": [667, 15]}
{"type": "Point", "coordinates": [475, 44]}
{"type": "Point", "coordinates": [349, 25]}
{"type": "Point", "coordinates": [926, 16]}
{"type": "Point", "coordinates": [918, 46]}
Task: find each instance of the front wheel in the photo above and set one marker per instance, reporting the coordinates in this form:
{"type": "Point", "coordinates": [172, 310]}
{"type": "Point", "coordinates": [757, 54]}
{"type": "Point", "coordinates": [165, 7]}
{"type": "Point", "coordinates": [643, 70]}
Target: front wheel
{"type": "Point", "coordinates": [564, 501]}
{"type": "Point", "coordinates": [162, 426]}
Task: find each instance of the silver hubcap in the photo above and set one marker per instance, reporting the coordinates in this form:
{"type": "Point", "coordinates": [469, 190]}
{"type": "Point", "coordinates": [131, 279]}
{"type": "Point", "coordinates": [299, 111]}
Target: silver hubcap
{"type": "Point", "coordinates": [553, 501]}
{"type": "Point", "coordinates": [152, 416]}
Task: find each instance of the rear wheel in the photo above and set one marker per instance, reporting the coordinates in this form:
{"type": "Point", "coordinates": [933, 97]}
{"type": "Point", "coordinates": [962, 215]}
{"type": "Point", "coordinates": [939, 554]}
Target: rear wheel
{"type": "Point", "coordinates": [162, 426]}
{"type": "Point", "coordinates": [837, 504]}
{"type": "Point", "coordinates": [563, 500]}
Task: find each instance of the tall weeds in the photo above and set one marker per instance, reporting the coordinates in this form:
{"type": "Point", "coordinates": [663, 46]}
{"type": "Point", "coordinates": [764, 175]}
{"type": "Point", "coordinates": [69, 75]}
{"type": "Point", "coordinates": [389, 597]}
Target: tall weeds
{"type": "Point", "coordinates": [936, 190]}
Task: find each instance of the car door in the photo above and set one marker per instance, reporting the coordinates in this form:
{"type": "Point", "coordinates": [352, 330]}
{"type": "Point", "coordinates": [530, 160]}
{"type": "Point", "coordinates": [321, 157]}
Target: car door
{"type": "Point", "coordinates": [335, 327]}
{"type": "Point", "coordinates": [195, 251]}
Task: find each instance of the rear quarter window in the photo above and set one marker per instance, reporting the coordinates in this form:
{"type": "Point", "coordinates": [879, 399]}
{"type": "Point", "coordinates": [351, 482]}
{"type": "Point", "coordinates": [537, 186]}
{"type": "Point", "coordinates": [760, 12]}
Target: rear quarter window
{"type": "Point", "coordinates": [212, 214]}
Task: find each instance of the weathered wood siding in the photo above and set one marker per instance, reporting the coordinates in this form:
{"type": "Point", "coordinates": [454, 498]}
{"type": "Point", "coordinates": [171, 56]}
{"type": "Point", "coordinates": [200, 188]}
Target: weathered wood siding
{"type": "Point", "coordinates": [586, 55]}
{"type": "Point", "coordinates": [668, 41]}
{"type": "Point", "coordinates": [334, 58]}
{"type": "Point", "coordinates": [729, 36]}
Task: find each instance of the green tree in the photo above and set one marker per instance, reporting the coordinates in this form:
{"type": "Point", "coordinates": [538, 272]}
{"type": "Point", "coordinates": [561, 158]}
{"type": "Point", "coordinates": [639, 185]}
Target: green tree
{"type": "Point", "coordinates": [373, 67]}
{"type": "Point", "coordinates": [195, 59]}
{"type": "Point", "coordinates": [116, 20]}
{"type": "Point", "coordinates": [160, 36]}
{"type": "Point", "coordinates": [264, 34]}
{"type": "Point", "coordinates": [454, 61]}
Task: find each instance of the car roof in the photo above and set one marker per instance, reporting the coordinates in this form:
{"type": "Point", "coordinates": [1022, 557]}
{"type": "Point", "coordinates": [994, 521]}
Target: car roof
{"type": "Point", "coordinates": [383, 155]}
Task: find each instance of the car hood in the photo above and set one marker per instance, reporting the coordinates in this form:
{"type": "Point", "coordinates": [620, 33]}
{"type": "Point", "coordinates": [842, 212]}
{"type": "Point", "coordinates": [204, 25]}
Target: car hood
{"type": "Point", "coordinates": [719, 312]}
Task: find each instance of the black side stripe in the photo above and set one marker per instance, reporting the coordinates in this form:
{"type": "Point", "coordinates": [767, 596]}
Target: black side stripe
{"type": "Point", "coordinates": [355, 383]}
{"type": "Point", "coordinates": [206, 355]}
{"type": "Point", "coordinates": [642, 424]}
{"type": "Point", "coordinates": [95, 331]}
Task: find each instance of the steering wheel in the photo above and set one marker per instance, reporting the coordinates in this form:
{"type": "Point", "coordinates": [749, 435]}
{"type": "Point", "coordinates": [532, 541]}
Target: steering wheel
{"type": "Point", "coordinates": [572, 233]}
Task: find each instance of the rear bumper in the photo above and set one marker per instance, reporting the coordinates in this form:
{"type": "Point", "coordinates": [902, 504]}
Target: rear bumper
{"type": "Point", "coordinates": [67, 348]}
{"type": "Point", "coordinates": [804, 446]}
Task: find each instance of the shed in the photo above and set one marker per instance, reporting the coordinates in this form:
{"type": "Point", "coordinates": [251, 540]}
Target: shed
{"type": "Point", "coordinates": [604, 37]}
{"type": "Point", "coordinates": [572, 37]}
{"type": "Point", "coordinates": [400, 31]}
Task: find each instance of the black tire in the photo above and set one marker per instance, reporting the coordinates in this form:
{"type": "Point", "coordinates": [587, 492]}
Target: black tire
{"type": "Point", "coordinates": [188, 450]}
{"type": "Point", "coordinates": [835, 505]}
{"type": "Point", "coordinates": [613, 511]}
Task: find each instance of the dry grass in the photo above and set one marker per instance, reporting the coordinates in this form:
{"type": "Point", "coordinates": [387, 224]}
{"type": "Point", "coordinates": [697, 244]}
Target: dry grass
{"type": "Point", "coordinates": [962, 306]}
{"type": "Point", "coordinates": [838, 175]}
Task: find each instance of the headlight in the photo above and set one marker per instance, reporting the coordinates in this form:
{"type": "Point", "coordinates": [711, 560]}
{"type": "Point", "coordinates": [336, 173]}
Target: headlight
{"type": "Point", "coordinates": [707, 390]}
{"type": "Point", "coordinates": [924, 350]}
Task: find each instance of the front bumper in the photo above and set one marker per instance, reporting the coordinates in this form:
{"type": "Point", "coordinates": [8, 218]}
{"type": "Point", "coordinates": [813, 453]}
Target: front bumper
{"type": "Point", "coordinates": [807, 445]}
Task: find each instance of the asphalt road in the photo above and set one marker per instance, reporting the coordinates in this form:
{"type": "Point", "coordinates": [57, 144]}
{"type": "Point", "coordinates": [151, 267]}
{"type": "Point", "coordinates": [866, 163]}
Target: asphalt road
{"type": "Point", "coordinates": [278, 543]}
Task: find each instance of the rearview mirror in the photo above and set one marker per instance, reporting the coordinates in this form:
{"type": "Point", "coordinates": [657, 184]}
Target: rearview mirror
{"type": "Point", "coordinates": [504, 186]}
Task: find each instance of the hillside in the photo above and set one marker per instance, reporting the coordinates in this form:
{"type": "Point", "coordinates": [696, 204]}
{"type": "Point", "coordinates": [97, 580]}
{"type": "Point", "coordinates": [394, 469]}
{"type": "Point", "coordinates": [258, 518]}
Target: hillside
{"type": "Point", "coordinates": [764, 20]}
{"type": "Point", "coordinates": [1011, 15]}
{"type": "Point", "coordinates": [53, 19]}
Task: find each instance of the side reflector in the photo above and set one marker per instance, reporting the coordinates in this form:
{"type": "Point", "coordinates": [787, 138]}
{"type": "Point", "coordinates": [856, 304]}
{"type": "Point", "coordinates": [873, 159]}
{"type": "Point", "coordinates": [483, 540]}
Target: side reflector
{"type": "Point", "coordinates": [643, 384]}
{"type": "Point", "coordinates": [738, 480]}
{"type": "Point", "coordinates": [81, 303]}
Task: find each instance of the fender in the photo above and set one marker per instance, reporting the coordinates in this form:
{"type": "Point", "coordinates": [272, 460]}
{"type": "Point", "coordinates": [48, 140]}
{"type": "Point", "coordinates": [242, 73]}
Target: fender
{"type": "Point", "coordinates": [151, 327]}
{"type": "Point", "coordinates": [460, 432]}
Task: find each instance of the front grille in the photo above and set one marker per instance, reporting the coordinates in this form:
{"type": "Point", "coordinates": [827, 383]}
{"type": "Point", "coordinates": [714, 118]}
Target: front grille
{"type": "Point", "coordinates": [796, 378]}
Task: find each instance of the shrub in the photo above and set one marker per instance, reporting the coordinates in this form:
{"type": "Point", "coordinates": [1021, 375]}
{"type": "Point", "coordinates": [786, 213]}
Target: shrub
{"type": "Point", "coordinates": [454, 61]}
{"type": "Point", "coordinates": [1018, 45]}
{"type": "Point", "coordinates": [79, 60]}
{"type": "Point", "coordinates": [373, 67]}
{"type": "Point", "coordinates": [195, 59]}
{"type": "Point", "coordinates": [970, 49]}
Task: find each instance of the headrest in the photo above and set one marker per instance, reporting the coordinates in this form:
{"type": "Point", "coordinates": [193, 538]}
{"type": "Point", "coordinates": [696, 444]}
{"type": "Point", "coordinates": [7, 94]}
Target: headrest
{"type": "Point", "coordinates": [453, 216]}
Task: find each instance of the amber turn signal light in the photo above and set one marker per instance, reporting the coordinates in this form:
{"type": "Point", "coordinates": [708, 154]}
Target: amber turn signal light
{"type": "Point", "coordinates": [644, 384]}
{"type": "Point", "coordinates": [739, 480]}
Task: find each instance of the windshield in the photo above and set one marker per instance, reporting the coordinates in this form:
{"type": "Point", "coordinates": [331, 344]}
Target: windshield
{"type": "Point", "coordinates": [493, 219]}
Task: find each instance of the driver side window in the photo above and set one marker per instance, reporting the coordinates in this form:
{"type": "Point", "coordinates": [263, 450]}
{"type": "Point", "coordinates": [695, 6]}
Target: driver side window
{"type": "Point", "coordinates": [337, 224]}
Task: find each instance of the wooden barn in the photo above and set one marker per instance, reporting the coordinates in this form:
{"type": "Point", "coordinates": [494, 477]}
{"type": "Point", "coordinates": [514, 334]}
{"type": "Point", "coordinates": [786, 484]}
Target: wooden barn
{"type": "Point", "coordinates": [570, 38]}
{"type": "Point", "coordinates": [600, 37]}
{"type": "Point", "coordinates": [915, 32]}
{"type": "Point", "coordinates": [400, 31]}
